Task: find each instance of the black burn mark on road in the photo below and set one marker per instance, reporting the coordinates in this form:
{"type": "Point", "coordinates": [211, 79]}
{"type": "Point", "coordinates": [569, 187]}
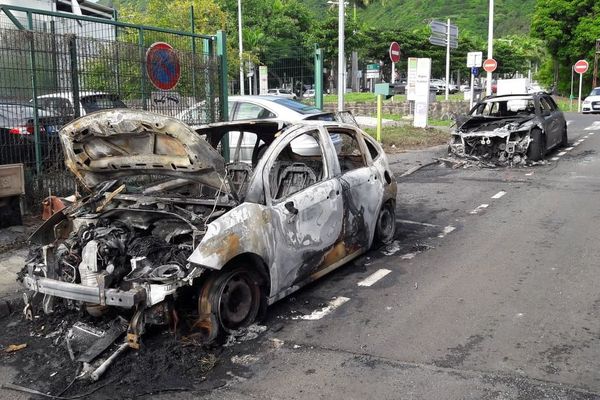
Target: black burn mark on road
{"type": "Point", "coordinates": [457, 355]}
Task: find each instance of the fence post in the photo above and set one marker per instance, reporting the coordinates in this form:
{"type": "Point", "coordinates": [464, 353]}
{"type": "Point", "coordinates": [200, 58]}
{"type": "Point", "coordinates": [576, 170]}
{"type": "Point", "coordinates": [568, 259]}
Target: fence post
{"type": "Point", "coordinates": [193, 26]}
{"type": "Point", "coordinates": [223, 93]}
{"type": "Point", "coordinates": [117, 56]}
{"type": "Point", "coordinates": [208, 50]}
{"type": "Point", "coordinates": [74, 75]}
{"type": "Point", "coordinates": [319, 78]}
{"type": "Point", "coordinates": [36, 119]}
{"type": "Point", "coordinates": [143, 68]}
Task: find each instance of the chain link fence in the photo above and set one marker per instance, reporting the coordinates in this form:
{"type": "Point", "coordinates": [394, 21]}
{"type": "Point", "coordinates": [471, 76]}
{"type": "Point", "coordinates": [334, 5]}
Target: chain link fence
{"type": "Point", "coordinates": [54, 68]}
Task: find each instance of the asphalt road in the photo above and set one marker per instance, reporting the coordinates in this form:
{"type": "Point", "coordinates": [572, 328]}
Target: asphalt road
{"type": "Point", "coordinates": [491, 291]}
{"type": "Point", "coordinates": [506, 305]}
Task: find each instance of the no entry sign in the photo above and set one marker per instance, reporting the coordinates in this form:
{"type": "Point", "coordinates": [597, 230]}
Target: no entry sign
{"type": "Point", "coordinates": [581, 66]}
{"type": "Point", "coordinates": [162, 66]}
{"type": "Point", "coordinates": [490, 65]}
{"type": "Point", "coordinates": [395, 52]}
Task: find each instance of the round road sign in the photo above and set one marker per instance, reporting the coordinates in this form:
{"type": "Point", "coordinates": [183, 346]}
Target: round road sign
{"type": "Point", "coordinates": [490, 65]}
{"type": "Point", "coordinates": [395, 52]}
{"type": "Point", "coordinates": [162, 66]}
{"type": "Point", "coordinates": [581, 66]}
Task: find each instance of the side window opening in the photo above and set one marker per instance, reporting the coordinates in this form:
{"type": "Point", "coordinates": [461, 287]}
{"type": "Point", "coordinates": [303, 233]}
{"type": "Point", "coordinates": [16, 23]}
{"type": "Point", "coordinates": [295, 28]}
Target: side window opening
{"type": "Point", "coordinates": [372, 150]}
{"type": "Point", "coordinates": [298, 166]}
{"type": "Point", "coordinates": [348, 151]}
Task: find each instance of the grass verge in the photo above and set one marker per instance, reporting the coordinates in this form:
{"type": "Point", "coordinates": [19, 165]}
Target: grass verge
{"type": "Point", "coordinates": [399, 138]}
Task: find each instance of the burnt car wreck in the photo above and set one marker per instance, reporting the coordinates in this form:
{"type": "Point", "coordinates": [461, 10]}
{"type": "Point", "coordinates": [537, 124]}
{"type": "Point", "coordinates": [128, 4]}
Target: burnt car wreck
{"type": "Point", "coordinates": [509, 130]}
{"type": "Point", "coordinates": [163, 222]}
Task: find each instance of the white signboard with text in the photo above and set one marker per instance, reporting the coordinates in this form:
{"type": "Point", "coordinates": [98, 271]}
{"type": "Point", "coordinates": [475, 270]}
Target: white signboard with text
{"type": "Point", "coordinates": [423, 77]}
{"type": "Point", "coordinates": [411, 78]}
{"type": "Point", "coordinates": [263, 75]}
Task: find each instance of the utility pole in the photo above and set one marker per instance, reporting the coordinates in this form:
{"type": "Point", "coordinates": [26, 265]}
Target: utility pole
{"type": "Point", "coordinates": [241, 47]}
{"type": "Point", "coordinates": [447, 59]}
{"type": "Point", "coordinates": [596, 56]}
{"type": "Point", "coordinates": [490, 54]}
{"type": "Point", "coordinates": [341, 55]}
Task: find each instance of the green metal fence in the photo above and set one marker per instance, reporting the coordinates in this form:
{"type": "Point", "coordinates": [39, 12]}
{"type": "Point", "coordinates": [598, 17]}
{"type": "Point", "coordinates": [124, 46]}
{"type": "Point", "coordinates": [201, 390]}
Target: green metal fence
{"type": "Point", "coordinates": [55, 67]}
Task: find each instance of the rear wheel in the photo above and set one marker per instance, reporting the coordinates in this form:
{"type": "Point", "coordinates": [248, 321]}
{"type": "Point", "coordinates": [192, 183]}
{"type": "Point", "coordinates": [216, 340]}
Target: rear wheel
{"type": "Point", "coordinates": [385, 229]}
{"type": "Point", "coordinates": [228, 301]}
{"type": "Point", "coordinates": [537, 148]}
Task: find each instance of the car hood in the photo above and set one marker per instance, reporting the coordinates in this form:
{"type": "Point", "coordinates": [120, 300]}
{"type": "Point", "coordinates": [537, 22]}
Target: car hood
{"type": "Point", "coordinates": [489, 126]}
{"type": "Point", "coordinates": [110, 144]}
{"type": "Point", "coordinates": [592, 98]}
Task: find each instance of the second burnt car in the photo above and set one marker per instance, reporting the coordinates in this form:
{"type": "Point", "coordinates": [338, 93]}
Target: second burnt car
{"type": "Point", "coordinates": [167, 222]}
{"type": "Point", "coordinates": [510, 129]}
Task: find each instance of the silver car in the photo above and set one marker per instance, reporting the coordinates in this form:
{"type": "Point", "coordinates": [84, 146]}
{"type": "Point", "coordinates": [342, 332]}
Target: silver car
{"type": "Point", "coordinates": [165, 223]}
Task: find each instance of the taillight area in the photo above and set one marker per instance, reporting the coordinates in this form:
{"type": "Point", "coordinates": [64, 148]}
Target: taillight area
{"type": "Point", "coordinates": [28, 129]}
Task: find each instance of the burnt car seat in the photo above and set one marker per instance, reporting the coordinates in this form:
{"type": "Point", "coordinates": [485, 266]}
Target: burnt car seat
{"type": "Point", "coordinates": [294, 178]}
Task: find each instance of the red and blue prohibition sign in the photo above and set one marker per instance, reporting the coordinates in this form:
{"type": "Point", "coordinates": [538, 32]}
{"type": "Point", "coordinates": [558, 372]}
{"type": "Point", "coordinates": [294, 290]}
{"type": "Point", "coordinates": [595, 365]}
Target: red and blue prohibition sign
{"type": "Point", "coordinates": [162, 66]}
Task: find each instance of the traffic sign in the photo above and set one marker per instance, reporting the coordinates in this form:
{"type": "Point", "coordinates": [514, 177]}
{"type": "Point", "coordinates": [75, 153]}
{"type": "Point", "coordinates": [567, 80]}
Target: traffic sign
{"type": "Point", "coordinates": [581, 66]}
{"type": "Point", "coordinates": [162, 66]}
{"type": "Point", "coordinates": [490, 65]}
{"type": "Point", "coordinates": [439, 34]}
{"type": "Point", "coordinates": [474, 71]}
{"type": "Point", "coordinates": [395, 52]}
{"type": "Point", "coordinates": [474, 59]}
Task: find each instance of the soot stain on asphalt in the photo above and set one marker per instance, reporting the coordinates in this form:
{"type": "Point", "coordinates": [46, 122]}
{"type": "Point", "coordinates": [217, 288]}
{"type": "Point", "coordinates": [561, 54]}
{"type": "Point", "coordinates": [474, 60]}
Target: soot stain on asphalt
{"type": "Point", "coordinates": [457, 355]}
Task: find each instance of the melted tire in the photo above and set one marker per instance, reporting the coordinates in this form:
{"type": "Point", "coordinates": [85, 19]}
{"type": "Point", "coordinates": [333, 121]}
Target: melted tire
{"type": "Point", "coordinates": [537, 148]}
{"type": "Point", "coordinates": [385, 229]}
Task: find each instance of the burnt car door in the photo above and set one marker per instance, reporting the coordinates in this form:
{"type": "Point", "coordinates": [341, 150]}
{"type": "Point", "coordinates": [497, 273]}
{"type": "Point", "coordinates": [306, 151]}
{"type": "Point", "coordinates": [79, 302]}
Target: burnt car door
{"type": "Point", "coordinates": [362, 189]}
{"type": "Point", "coordinates": [306, 206]}
{"type": "Point", "coordinates": [552, 122]}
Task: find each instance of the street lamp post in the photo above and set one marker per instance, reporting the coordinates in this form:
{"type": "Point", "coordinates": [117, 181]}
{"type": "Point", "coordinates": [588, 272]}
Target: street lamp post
{"type": "Point", "coordinates": [241, 47]}
{"type": "Point", "coordinates": [490, 54]}
{"type": "Point", "coordinates": [341, 55]}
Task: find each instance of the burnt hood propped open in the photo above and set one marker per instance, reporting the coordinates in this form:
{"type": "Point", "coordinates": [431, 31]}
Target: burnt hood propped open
{"type": "Point", "coordinates": [110, 144]}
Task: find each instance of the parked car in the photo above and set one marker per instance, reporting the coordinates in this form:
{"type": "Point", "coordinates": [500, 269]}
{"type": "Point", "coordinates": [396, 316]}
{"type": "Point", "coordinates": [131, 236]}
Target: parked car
{"type": "Point", "coordinates": [399, 87]}
{"type": "Point", "coordinates": [285, 93]}
{"type": "Point", "coordinates": [510, 129]}
{"type": "Point", "coordinates": [164, 228]}
{"type": "Point", "coordinates": [591, 104]}
{"type": "Point", "coordinates": [310, 93]}
{"type": "Point", "coordinates": [17, 133]}
{"type": "Point", "coordinates": [62, 104]}
{"type": "Point", "coordinates": [440, 86]}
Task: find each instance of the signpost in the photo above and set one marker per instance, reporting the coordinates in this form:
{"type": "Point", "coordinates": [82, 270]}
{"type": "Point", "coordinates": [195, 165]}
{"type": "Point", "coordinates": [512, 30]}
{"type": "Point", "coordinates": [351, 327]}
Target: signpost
{"type": "Point", "coordinates": [373, 72]}
{"type": "Point", "coordinates": [394, 57]}
{"type": "Point", "coordinates": [474, 60]}
{"type": "Point", "coordinates": [263, 80]}
{"type": "Point", "coordinates": [162, 66]}
{"type": "Point", "coordinates": [581, 68]}
{"type": "Point", "coordinates": [444, 35]}
{"type": "Point", "coordinates": [423, 77]}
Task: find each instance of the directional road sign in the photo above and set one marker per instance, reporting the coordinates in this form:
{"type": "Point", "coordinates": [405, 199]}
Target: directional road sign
{"type": "Point", "coordinates": [581, 66]}
{"type": "Point", "coordinates": [162, 66]}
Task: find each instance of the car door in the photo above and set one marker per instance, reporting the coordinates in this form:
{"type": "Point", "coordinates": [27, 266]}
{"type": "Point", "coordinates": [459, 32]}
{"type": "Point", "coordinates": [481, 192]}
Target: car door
{"type": "Point", "coordinates": [551, 123]}
{"type": "Point", "coordinates": [306, 207]}
{"type": "Point", "coordinates": [362, 189]}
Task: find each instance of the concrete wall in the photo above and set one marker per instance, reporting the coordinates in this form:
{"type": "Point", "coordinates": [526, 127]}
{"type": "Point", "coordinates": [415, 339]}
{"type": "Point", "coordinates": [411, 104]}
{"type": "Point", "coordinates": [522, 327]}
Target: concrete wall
{"type": "Point", "coordinates": [437, 110]}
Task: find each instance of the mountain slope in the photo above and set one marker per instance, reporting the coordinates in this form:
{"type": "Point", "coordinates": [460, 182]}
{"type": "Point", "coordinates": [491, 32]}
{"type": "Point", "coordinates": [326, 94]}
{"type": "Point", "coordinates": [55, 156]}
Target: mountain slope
{"type": "Point", "coordinates": [511, 16]}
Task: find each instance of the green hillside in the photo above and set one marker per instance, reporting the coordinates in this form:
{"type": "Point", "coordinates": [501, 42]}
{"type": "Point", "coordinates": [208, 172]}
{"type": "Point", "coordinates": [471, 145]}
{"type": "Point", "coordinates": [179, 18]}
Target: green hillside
{"type": "Point", "coordinates": [511, 16]}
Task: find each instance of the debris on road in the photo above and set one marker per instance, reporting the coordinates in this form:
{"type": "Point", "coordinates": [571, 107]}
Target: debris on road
{"type": "Point", "coordinates": [15, 347]}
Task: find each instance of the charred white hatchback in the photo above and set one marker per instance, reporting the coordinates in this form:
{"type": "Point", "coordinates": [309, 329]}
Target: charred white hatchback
{"type": "Point", "coordinates": [166, 221]}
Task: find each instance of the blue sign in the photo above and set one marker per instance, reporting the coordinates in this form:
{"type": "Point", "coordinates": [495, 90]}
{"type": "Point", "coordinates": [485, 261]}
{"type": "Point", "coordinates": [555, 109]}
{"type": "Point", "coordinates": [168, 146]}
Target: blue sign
{"type": "Point", "coordinates": [475, 71]}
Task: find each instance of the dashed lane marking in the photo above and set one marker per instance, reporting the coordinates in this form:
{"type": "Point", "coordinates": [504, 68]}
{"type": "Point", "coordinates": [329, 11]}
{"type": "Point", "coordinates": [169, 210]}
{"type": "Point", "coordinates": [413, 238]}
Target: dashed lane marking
{"type": "Point", "coordinates": [374, 277]}
{"type": "Point", "coordinates": [478, 209]}
{"type": "Point", "coordinates": [554, 159]}
{"type": "Point", "coordinates": [562, 153]}
{"type": "Point", "coordinates": [328, 309]}
{"type": "Point", "coordinates": [591, 133]}
{"type": "Point", "coordinates": [569, 148]}
{"type": "Point", "coordinates": [585, 137]}
{"type": "Point", "coordinates": [569, 123]}
{"type": "Point", "coordinates": [593, 127]}
{"type": "Point", "coordinates": [447, 229]}
{"type": "Point", "coordinates": [499, 194]}
{"type": "Point", "coordinates": [406, 221]}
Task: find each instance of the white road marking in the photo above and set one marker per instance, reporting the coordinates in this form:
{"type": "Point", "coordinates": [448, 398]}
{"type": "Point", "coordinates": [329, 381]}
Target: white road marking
{"type": "Point", "coordinates": [529, 174]}
{"type": "Point", "coordinates": [569, 123]}
{"type": "Point", "coordinates": [318, 314]}
{"type": "Point", "coordinates": [585, 137]}
{"type": "Point", "coordinates": [569, 149]}
{"type": "Point", "coordinates": [447, 229]}
{"type": "Point", "coordinates": [499, 194]}
{"type": "Point", "coordinates": [406, 221]}
{"type": "Point", "coordinates": [374, 277]}
{"type": "Point", "coordinates": [481, 207]}
{"type": "Point", "coordinates": [576, 144]}
{"type": "Point", "coordinates": [591, 133]}
{"type": "Point", "coordinates": [562, 153]}
{"type": "Point", "coordinates": [554, 159]}
{"type": "Point", "coordinates": [593, 127]}
{"type": "Point", "coordinates": [408, 256]}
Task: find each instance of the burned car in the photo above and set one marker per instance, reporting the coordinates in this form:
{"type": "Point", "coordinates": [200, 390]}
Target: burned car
{"type": "Point", "coordinates": [510, 129]}
{"type": "Point", "coordinates": [163, 219]}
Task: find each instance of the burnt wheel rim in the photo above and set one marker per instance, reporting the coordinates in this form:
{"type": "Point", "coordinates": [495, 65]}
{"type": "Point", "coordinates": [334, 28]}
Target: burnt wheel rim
{"type": "Point", "coordinates": [386, 225]}
{"type": "Point", "coordinates": [238, 301]}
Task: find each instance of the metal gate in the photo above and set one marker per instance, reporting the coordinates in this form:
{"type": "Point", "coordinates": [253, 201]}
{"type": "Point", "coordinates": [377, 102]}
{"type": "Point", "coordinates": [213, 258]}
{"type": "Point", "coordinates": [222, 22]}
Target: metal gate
{"type": "Point", "coordinates": [55, 67]}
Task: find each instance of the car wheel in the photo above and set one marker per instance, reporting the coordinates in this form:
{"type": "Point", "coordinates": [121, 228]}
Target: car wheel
{"type": "Point", "coordinates": [385, 229]}
{"type": "Point", "coordinates": [537, 148]}
{"type": "Point", "coordinates": [565, 138]}
{"type": "Point", "coordinates": [229, 300]}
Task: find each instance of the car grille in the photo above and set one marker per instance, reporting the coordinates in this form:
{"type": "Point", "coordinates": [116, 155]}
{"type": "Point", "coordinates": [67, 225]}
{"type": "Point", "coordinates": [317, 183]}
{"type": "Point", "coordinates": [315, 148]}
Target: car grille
{"type": "Point", "coordinates": [596, 105]}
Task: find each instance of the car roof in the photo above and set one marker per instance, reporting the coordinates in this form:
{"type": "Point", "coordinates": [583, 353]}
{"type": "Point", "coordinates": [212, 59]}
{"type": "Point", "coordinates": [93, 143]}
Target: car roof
{"type": "Point", "coordinates": [524, 96]}
{"type": "Point", "coordinates": [69, 95]}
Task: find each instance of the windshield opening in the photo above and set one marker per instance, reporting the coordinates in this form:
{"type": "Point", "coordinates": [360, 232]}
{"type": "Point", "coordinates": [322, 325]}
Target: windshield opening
{"type": "Point", "coordinates": [505, 108]}
{"type": "Point", "coordinates": [101, 102]}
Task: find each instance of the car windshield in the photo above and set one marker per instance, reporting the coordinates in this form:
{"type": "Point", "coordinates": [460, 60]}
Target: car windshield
{"type": "Point", "coordinates": [14, 113]}
{"type": "Point", "coordinates": [505, 108]}
{"type": "Point", "coordinates": [297, 106]}
{"type": "Point", "coordinates": [595, 92]}
{"type": "Point", "coordinates": [285, 91]}
{"type": "Point", "coordinates": [101, 102]}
